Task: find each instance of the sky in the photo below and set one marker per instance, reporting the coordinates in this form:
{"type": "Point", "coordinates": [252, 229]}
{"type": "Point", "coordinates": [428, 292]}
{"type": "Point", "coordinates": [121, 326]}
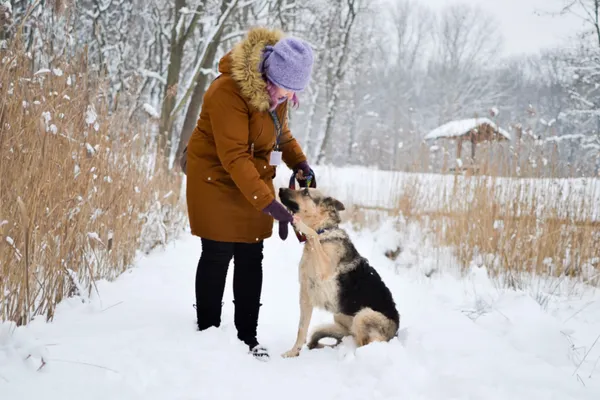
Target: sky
{"type": "Point", "coordinates": [523, 30]}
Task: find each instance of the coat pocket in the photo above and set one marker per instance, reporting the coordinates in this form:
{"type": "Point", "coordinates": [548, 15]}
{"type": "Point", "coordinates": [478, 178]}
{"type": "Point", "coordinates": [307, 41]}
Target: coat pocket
{"type": "Point", "coordinates": [216, 175]}
{"type": "Point", "coordinates": [265, 170]}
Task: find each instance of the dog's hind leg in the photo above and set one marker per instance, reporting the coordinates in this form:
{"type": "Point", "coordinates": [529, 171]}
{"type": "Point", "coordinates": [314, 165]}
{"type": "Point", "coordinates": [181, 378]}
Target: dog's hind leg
{"type": "Point", "coordinates": [337, 331]}
{"type": "Point", "coordinates": [306, 310]}
{"type": "Point", "coordinates": [372, 326]}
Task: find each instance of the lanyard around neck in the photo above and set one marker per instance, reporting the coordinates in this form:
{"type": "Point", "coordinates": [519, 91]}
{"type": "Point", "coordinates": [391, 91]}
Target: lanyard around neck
{"type": "Point", "coordinates": [278, 129]}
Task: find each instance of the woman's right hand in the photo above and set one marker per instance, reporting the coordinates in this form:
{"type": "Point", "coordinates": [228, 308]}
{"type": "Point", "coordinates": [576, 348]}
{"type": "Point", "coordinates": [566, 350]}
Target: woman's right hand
{"type": "Point", "coordinates": [281, 214]}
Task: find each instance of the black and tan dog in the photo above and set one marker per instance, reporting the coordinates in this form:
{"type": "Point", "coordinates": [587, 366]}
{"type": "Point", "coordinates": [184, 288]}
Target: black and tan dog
{"type": "Point", "coordinates": [334, 277]}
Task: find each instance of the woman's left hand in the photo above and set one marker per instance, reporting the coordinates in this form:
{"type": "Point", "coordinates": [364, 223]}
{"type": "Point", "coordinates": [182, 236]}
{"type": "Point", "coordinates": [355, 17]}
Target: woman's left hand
{"type": "Point", "coordinates": [304, 172]}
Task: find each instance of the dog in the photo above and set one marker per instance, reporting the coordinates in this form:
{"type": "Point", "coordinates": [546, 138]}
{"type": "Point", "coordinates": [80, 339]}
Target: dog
{"type": "Point", "coordinates": [334, 277]}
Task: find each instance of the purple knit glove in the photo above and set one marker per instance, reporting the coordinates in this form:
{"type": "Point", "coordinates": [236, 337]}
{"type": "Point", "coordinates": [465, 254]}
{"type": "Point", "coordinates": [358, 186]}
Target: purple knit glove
{"type": "Point", "coordinates": [278, 211]}
{"type": "Point", "coordinates": [306, 172]}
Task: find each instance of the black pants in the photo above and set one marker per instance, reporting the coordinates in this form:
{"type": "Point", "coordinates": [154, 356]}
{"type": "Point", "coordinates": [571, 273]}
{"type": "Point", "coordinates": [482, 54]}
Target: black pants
{"type": "Point", "coordinates": [247, 285]}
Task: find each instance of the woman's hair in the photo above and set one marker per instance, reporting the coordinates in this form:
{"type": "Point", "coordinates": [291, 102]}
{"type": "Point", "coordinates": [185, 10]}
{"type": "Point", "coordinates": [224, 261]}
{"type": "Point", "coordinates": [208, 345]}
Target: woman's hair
{"type": "Point", "coordinates": [274, 101]}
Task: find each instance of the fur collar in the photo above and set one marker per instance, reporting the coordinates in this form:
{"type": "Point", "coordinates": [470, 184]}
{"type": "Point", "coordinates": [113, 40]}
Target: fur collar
{"type": "Point", "coordinates": [243, 61]}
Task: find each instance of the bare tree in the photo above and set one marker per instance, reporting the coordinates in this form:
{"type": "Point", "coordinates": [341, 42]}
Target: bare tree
{"type": "Point", "coordinates": [180, 33]}
{"type": "Point", "coordinates": [588, 11]}
{"type": "Point", "coordinates": [583, 113]}
{"type": "Point", "coordinates": [412, 23]}
{"type": "Point", "coordinates": [347, 12]}
{"type": "Point", "coordinates": [200, 83]}
{"type": "Point", "coordinates": [467, 45]}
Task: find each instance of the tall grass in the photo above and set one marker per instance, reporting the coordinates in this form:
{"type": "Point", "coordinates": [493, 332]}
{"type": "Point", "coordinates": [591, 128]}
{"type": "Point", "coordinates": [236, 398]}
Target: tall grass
{"type": "Point", "coordinates": [519, 226]}
{"type": "Point", "coordinates": [79, 191]}
{"type": "Point", "coordinates": [518, 217]}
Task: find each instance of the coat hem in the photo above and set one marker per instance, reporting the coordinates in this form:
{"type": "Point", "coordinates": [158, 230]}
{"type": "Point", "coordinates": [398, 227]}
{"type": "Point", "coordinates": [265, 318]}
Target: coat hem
{"type": "Point", "coordinates": [229, 239]}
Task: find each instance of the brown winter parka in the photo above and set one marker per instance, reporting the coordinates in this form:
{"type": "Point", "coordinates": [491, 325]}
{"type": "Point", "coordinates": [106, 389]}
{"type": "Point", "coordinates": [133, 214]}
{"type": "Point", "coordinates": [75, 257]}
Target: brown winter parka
{"type": "Point", "coordinates": [229, 176]}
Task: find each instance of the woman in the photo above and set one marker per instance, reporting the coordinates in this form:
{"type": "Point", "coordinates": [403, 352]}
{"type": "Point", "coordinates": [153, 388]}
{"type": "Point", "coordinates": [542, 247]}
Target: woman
{"type": "Point", "coordinates": [230, 168]}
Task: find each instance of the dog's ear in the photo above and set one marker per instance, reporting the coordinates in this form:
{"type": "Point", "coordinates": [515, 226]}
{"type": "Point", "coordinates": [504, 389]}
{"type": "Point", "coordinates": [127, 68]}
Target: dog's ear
{"type": "Point", "coordinates": [331, 202]}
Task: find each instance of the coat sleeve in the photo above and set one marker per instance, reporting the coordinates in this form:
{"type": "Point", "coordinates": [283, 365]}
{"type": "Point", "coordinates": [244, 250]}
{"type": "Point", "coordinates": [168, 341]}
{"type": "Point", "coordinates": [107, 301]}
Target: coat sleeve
{"type": "Point", "coordinates": [292, 153]}
{"type": "Point", "coordinates": [229, 119]}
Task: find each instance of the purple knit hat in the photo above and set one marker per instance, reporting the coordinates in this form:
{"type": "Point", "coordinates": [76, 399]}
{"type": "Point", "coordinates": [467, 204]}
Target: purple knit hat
{"type": "Point", "coordinates": [288, 64]}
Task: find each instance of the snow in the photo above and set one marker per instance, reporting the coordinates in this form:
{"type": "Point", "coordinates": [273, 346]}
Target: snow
{"type": "Point", "coordinates": [151, 110]}
{"type": "Point", "coordinates": [460, 337]}
{"type": "Point", "coordinates": [47, 116]}
{"type": "Point", "coordinates": [90, 149]}
{"type": "Point", "coordinates": [94, 236]}
{"type": "Point", "coordinates": [152, 74]}
{"type": "Point", "coordinates": [11, 242]}
{"type": "Point", "coordinates": [90, 115]}
{"type": "Point", "coordinates": [8, 6]}
{"type": "Point", "coordinates": [42, 71]}
{"type": "Point", "coordinates": [460, 127]}
{"type": "Point", "coordinates": [559, 139]}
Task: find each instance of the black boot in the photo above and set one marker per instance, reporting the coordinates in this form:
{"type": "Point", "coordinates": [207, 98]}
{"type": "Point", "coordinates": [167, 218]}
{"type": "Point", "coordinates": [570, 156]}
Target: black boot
{"type": "Point", "coordinates": [247, 287]}
{"type": "Point", "coordinates": [210, 282]}
{"type": "Point", "coordinates": [246, 322]}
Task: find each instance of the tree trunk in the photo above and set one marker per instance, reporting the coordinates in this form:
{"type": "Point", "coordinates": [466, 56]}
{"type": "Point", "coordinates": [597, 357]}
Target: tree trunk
{"type": "Point", "coordinates": [201, 81]}
{"type": "Point", "coordinates": [309, 120]}
{"type": "Point", "coordinates": [170, 94]}
{"type": "Point", "coordinates": [597, 19]}
{"type": "Point", "coordinates": [193, 111]}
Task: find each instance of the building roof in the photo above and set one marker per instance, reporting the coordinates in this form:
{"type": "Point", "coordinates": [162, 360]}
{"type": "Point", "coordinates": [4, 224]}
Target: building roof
{"type": "Point", "coordinates": [462, 127]}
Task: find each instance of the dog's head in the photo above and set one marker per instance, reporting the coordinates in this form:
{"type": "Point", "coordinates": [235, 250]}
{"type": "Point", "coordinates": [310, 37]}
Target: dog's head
{"type": "Point", "coordinates": [315, 209]}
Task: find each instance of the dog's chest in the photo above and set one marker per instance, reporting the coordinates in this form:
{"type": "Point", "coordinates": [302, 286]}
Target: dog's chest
{"type": "Point", "coordinates": [322, 294]}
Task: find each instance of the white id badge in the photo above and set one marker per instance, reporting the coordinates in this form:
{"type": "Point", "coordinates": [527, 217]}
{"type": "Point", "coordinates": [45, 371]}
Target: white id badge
{"type": "Point", "coordinates": [275, 158]}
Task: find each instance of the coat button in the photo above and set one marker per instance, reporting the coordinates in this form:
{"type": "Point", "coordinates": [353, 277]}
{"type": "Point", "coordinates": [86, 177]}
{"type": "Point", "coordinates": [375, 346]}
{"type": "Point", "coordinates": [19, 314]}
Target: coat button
{"type": "Point", "coordinates": [209, 178]}
{"type": "Point", "coordinates": [265, 167]}
{"type": "Point", "coordinates": [255, 197]}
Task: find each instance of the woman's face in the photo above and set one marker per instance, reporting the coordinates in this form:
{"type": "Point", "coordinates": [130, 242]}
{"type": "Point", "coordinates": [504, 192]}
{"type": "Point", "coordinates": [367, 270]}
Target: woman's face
{"type": "Point", "coordinates": [282, 93]}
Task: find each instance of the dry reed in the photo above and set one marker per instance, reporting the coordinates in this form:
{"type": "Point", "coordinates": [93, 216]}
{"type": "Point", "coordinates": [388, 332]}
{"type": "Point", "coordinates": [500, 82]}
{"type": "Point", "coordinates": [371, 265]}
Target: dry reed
{"type": "Point", "coordinates": [541, 225]}
{"type": "Point", "coordinates": [79, 194]}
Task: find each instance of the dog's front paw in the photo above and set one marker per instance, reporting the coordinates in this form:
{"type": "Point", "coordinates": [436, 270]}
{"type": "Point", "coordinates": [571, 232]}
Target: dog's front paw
{"type": "Point", "coordinates": [291, 353]}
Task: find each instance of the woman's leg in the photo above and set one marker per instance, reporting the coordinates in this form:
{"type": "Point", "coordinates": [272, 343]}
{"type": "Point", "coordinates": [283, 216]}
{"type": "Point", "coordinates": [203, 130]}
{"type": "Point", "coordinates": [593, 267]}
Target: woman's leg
{"type": "Point", "coordinates": [211, 275]}
{"type": "Point", "coordinates": [247, 288]}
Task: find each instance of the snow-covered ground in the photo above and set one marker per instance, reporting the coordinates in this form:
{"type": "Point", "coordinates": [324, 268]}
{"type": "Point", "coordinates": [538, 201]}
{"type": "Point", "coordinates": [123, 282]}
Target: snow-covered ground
{"type": "Point", "coordinates": [460, 338]}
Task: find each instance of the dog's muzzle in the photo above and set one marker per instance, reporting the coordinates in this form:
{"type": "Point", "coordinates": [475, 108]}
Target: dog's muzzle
{"type": "Point", "coordinates": [286, 199]}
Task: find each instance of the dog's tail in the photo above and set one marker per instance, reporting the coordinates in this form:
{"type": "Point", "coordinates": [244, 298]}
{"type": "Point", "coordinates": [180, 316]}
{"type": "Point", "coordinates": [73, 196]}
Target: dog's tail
{"type": "Point", "coordinates": [334, 331]}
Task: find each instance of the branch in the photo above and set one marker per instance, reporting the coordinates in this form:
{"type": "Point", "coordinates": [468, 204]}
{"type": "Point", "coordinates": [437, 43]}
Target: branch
{"type": "Point", "coordinates": [591, 18]}
{"type": "Point", "coordinates": [217, 29]}
{"type": "Point", "coordinates": [151, 74]}
{"type": "Point", "coordinates": [193, 23]}
{"type": "Point", "coordinates": [233, 35]}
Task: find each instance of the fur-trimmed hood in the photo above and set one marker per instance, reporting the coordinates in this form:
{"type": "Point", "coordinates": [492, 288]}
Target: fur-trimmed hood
{"type": "Point", "coordinates": [242, 63]}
